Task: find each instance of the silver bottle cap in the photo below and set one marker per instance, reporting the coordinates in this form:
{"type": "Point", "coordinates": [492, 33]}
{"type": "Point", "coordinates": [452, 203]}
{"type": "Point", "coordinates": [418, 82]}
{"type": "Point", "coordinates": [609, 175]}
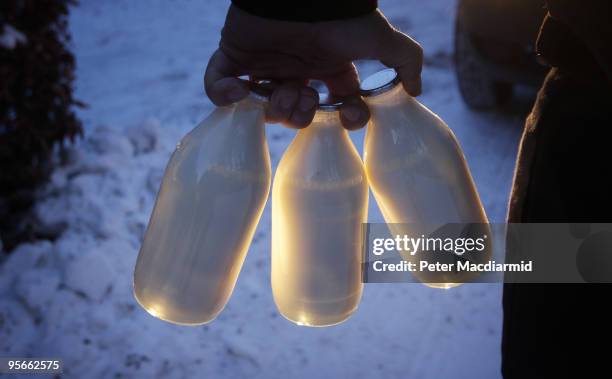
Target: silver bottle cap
{"type": "Point", "coordinates": [326, 104]}
{"type": "Point", "coordinates": [380, 82]}
{"type": "Point", "coordinates": [262, 90]}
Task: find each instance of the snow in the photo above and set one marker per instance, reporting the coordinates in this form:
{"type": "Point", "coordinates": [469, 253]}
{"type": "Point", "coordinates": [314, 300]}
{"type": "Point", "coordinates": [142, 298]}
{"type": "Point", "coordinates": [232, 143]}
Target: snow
{"type": "Point", "coordinates": [140, 67]}
{"type": "Point", "coordinates": [11, 37]}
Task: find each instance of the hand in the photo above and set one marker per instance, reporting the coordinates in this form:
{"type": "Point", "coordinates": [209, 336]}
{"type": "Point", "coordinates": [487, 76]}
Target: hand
{"type": "Point", "coordinates": [293, 53]}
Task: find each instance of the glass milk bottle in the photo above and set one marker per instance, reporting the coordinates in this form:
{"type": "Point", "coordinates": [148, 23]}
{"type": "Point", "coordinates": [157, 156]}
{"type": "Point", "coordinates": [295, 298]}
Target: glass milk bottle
{"type": "Point", "coordinates": [319, 202]}
{"type": "Point", "coordinates": [418, 173]}
{"type": "Point", "coordinates": [211, 198]}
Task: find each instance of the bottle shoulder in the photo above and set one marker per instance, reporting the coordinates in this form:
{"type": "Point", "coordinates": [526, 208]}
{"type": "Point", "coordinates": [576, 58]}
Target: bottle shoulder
{"type": "Point", "coordinates": [221, 146]}
{"type": "Point", "coordinates": [321, 162]}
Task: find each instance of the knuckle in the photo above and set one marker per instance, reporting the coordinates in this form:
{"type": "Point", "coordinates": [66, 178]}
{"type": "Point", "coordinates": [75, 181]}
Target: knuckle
{"type": "Point", "coordinates": [298, 124]}
{"type": "Point", "coordinates": [309, 91]}
{"type": "Point", "coordinates": [301, 119]}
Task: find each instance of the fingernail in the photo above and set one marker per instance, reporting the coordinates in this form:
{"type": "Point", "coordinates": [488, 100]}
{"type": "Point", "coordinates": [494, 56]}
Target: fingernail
{"type": "Point", "coordinates": [352, 113]}
{"type": "Point", "coordinates": [307, 103]}
{"type": "Point", "coordinates": [236, 94]}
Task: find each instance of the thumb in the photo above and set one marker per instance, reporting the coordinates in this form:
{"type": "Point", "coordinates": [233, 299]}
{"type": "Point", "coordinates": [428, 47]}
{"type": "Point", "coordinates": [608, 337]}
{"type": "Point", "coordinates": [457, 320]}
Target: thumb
{"type": "Point", "coordinates": [221, 83]}
{"type": "Point", "coordinates": [344, 82]}
{"type": "Point", "coordinates": [405, 55]}
{"type": "Point", "coordinates": [344, 86]}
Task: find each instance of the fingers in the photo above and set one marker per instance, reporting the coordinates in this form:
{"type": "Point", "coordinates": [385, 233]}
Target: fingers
{"type": "Point", "coordinates": [344, 86]}
{"type": "Point", "coordinates": [293, 105]}
{"type": "Point", "coordinates": [406, 56]}
{"type": "Point", "coordinates": [282, 102]}
{"type": "Point", "coordinates": [377, 40]}
{"type": "Point", "coordinates": [354, 113]}
{"type": "Point", "coordinates": [220, 82]}
{"type": "Point", "coordinates": [306, 107]}
{"type": "Point", "coordinates": [343, 83]}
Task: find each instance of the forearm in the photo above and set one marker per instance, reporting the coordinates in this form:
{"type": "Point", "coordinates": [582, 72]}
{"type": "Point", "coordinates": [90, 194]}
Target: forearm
{"type": "Point", "coordinates": [307, 11]}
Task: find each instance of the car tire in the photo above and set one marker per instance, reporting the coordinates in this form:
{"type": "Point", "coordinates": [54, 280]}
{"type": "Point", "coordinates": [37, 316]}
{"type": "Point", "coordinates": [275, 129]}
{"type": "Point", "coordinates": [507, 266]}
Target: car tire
{"type": "Point", "coordinates": [478, 90]}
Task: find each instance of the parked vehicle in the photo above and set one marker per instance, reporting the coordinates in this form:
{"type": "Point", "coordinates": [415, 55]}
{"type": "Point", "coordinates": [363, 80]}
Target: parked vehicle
{"type": "Point", "coordinates": [494, 49]}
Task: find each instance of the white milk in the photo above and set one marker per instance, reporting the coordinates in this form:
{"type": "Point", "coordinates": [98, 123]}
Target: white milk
{"type": "Point", "coordinates": [210, 201]}
{"type": "Point", "coordinates": [319, 202]}
{"type": "Point", "coordinates": [416, 168]}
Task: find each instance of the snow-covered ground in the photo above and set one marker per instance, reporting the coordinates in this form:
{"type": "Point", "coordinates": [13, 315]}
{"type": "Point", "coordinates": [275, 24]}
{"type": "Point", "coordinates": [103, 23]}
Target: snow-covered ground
{"type": "Point", "coordinates": [140, 66]}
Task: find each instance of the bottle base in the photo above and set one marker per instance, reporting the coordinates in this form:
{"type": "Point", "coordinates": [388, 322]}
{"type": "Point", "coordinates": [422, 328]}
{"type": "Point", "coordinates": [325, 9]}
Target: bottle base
{"type": "Point", "coordinates": [161, 312]}
{"type": "Point", "coordinates": [444, 286]}
{"type": "Point", "coordinates": [319, 322]}
{"type": "Point", "coordinates": [319, 314]}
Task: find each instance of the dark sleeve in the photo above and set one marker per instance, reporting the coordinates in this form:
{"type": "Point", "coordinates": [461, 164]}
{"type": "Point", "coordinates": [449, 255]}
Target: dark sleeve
{"type": "Point", "coordinates": [307, 11]}
{"type": "Point", "coordinates": [578, 35]}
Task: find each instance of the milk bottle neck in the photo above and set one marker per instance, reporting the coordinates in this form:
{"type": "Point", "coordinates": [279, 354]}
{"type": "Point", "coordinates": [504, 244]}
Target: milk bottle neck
{"type": "Point", "coordinates": [324, 155]}
{"type": "Point", "coordinates": [391, 98]}
{"type": "Point", "coordinates": [248, 117]}
{"type": "Point", "coordinates": [327, 120]}
{"type": "Point", "coordinates": [325, 130]}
